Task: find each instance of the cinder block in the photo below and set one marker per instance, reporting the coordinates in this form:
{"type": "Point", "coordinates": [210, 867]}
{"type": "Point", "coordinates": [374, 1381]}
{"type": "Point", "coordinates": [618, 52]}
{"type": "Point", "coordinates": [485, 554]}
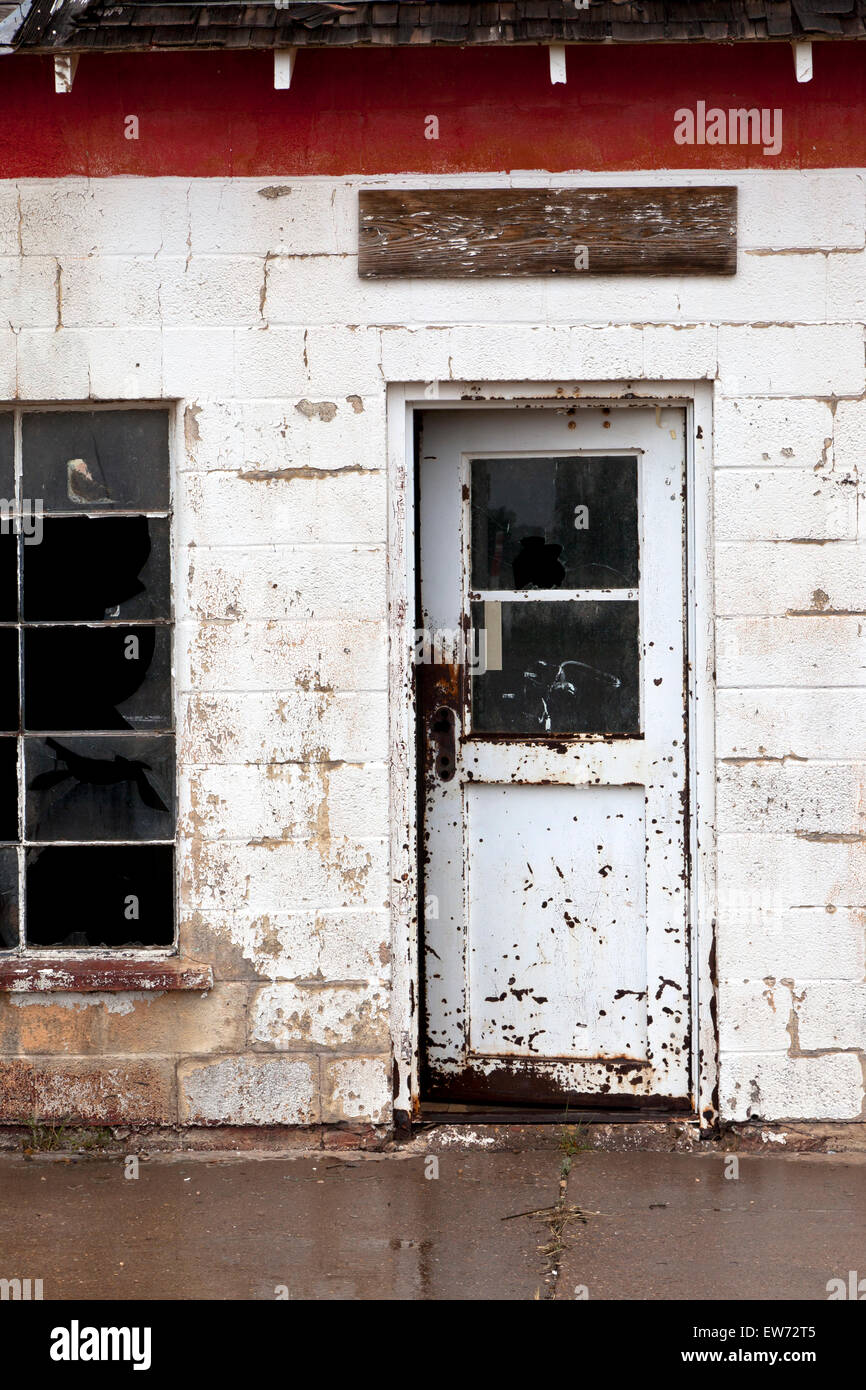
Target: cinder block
{"type": "Point", "coordinates": [300, 1015]}
{"type": "Point", "coordinates": [832, 1014]}
{"type": "Point", "coordinates": [753, 1016]}
{"type": "Point", "coordinates": [686, 353]}
{"type": "Point", "coordinates": [110, 216]}
{"type": "Point", "coordinates": [319, 873]}
{"type": "Point", "coordinates": [783, 798]}
{"type": "Point", "coordinates": [287, 726]}
{"type": "Point", "coordinates": [249, 1090]}
{"type": "Point", "coordinates": [115, 1025]}
{"type": "Point", "coordinates": [763, 433]}
{"type": "Point", "coordinates": [112, 291]}
{"type": "Point", "coordinates": [774, 1087]}
{"type": "Point", "coordinates": [766, 289]}
{"type": "Point", "coordinates": [53, 366]}
{"type": "Point", "coordinates": [296, 217]}
{"type": "Point", "coordinates": [809, 360]}
{"type": "Point", "coordinates": [819, 651]}
{"type": "Point", "coordinates": [284, 802]}
{"type": "Point", "coordinates": [233, 943]}
{"type": "Point", "coordinates": [772, 579]}
{"type": "Point", "coordinates": [780, 872]}
{"type": "Point", "coordinates": [213, 436]}
{"type": "Point", "coordinates": [346, 432]}
{"type": "Point", "coordinates": [30, 292]}
{"type": "Point", "coordinates": [125, 364]}
{"type": "Point", "coordinates": [107, 1090]}
{"type": "Point", "coordinates": [213, 291]}
{"type": "Point", "coordinates": [9, 218]}
{"type": "Point", "coordinates": [270, 362]}
{"type": "Point", "coordinates": [282, 582]}
{"type": "Point", "coordinates": [356, 1088]}
{"type": "Point", "coordinates": [820, 723]}
{"type": "Point", "coordinates": [198, 363]}
{"type": "Point", "coordinates": [545, 354]}
{"type": "Point", "coordinates": [269, 656]}
{"type": "Point", "coordinates": [846, 287]}
{"type": "Point", "coordinates": [341, 361]}
{"type": "Point", "coordinates": [794, 209]}
{"type": "Point", "coordinates": [8, 365]}
{"type": "Point", "coordinates": [799, 943]}
{"type": "Point", "coordinates": [290, 507]}
{"type": "Point", "coordinates": [849, 437]}
{"type": "Point", "coordinates": [354, 945]}
{"type": "Point", "coordinates": [758, 504]}
{"type": "Point", "coordinates": [343, 944]}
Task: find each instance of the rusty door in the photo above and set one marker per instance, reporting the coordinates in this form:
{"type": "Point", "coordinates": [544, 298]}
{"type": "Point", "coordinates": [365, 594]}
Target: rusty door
{"type": "Point", "coordinates": [553, 724]}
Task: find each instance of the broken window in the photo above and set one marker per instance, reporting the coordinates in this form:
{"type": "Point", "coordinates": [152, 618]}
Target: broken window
{"type": "Point", "coordinates": [87, 753]}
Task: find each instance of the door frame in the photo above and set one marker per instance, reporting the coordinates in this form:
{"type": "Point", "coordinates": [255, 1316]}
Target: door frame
{"type": "Point", "coordinates": [404, 402]}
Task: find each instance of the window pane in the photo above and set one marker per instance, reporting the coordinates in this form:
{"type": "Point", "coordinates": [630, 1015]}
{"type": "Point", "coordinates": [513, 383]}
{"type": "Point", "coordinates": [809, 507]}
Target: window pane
{"type": "Point", "coordinates": [7, 457]}
{"type": "Point", "coordinates": [99, 788]}
{"type": "Point", "coordinates": [97, 678]}
{"type": "Point", "coordinates": [567, 668]}
{"type": "Point", "coordinates": [87, 568]}
{"type": "Point", "coordinates": [8, 899]}
{"type": "Point", "coordinates": [9, 789]}
{"type": "Point", "coordinates": [9, 679]}
{"type": "Point", "coordinates": [100, 896]}
{"type": "Point", "coordinates": [86, 460]}
{"type": "Point", "coordinates": [561, 523]}
{"type": "Point", "coordinates": [9, 575]}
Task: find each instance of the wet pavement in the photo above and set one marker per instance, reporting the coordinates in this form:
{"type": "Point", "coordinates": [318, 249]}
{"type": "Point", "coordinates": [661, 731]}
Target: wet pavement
{"type": "Point", "coordinates": [508, 1226]}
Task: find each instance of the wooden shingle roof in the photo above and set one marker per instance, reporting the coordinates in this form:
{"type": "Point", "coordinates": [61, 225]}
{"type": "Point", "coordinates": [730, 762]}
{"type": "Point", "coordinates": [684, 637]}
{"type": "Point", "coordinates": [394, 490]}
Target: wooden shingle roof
{"type": "Point", "coordinates": [144, 24]}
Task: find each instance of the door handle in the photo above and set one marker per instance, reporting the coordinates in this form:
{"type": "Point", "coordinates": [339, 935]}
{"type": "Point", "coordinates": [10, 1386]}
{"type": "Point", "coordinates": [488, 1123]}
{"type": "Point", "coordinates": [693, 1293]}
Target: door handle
{"type": "Point", "coordinates": [443, 735]}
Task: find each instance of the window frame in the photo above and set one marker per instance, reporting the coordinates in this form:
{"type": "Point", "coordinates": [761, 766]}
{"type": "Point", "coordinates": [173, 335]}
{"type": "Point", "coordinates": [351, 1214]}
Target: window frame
{"type": "Point", "coordinates": [28, 966]}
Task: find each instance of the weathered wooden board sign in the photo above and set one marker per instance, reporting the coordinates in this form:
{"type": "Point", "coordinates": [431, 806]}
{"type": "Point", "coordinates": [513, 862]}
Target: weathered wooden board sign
{"type": "Point", "coordinates": [537, 231]}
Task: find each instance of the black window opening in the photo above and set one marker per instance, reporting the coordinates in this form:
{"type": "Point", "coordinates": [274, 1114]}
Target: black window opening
{"type": "Point", "coordinates": [87, 744]}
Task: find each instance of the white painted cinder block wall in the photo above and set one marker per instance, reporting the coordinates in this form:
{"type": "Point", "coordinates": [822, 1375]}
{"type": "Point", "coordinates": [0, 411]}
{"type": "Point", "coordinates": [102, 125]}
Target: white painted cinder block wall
{"type": "Point", "coordinates": [240, 300]}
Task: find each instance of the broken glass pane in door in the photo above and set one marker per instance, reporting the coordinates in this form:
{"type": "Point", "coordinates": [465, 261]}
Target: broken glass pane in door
{"type": "Point", "coordinates": [554, 523]}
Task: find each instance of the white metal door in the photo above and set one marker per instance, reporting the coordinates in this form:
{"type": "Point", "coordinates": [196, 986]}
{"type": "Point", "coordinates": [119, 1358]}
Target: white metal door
{"type": "Point", "coordinates": [553, 718]}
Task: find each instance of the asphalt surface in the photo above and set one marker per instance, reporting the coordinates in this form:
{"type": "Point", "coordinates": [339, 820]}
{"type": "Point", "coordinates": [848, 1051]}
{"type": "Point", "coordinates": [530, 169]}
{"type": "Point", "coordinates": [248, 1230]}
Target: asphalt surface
{"type": "Point", "coordinates": [504, 1226]}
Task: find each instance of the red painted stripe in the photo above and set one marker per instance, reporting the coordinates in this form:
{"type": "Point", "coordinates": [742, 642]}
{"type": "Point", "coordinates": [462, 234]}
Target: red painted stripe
{"type": "Point", "coordinates": [363, 111]}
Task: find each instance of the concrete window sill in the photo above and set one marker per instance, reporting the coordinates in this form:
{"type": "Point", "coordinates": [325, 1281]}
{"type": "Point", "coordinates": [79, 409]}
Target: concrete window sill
{"type": "Point", "coordinates": [101, 974]}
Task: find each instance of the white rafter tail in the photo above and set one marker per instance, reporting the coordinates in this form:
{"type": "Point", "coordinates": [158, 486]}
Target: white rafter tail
{"type": "Point", "coordinates": [803, 60]}
{"type": "Point", "coordinates": [284, 66]}
{"type": "Point", "coordinates": [557, 62]}
{"type": "Point", "coordinates": [65, 65]}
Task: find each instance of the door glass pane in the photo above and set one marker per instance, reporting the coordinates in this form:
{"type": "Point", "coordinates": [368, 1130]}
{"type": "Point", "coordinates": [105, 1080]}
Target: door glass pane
{"type": "Point", "coordinates": [554, 523]}
{"type": "Point", "coordinates": [566, 668]}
